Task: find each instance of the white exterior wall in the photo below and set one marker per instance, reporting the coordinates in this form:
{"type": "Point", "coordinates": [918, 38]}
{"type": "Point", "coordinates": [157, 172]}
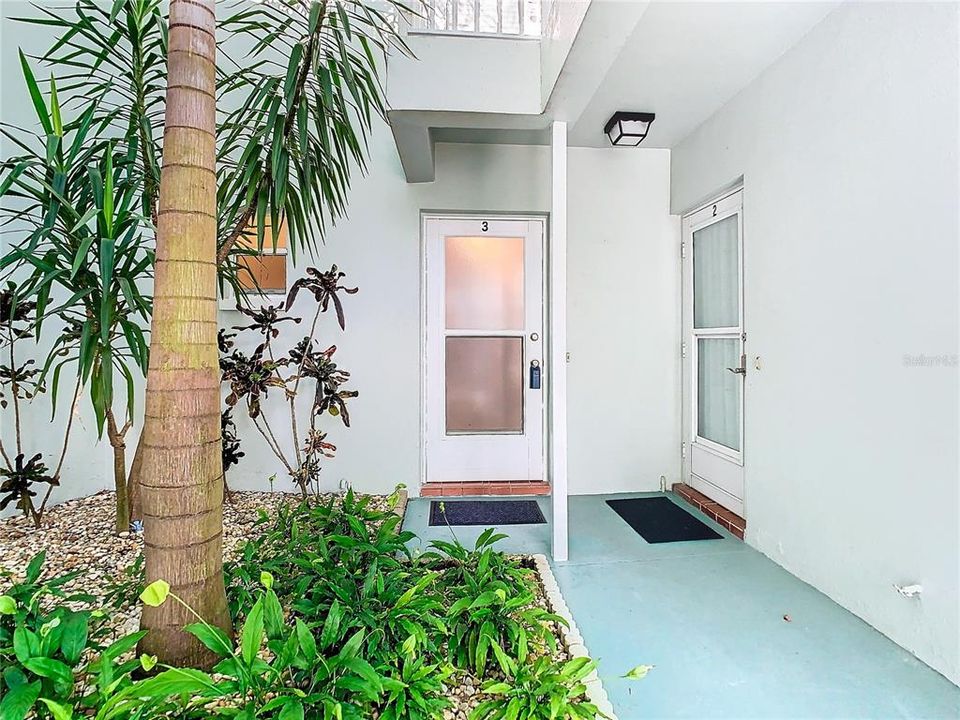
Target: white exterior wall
{"type": "Point", "coordinates": [848, 146]}
{"type": "Point", "coordinates": [622, 284]}
{"type": "Point", "coordinates": [484, 74]}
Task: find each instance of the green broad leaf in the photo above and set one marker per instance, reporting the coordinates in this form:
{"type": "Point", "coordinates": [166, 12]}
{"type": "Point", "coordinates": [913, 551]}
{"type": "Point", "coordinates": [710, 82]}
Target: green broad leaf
{"type": "Point", "coordinates": [365, 670]}
{"type": "Point", "coordinates": [212, 637]}
{"type": "Point", "coordinates": [60, 673]}
{"type": "Point", "coordinates": [638, 673]}
{"type": "Point", "coordinates": [506, 663]}
{"type": "Point", "coordinates": [266, 579]}
{"type": "Point", "coordinates": [331, 625]}
{"type": "Point", "coordinates": [73, 639]}
{"type": "Point", "coordinates": [155, 594]}
{"type": "Point", "coordinates": [484, 600]}
{"type": "Point", "coordinates": [251, 637]}
{"type": "Point", "coordinates": [35, 95]}
{"type": "Point", "coordinates": [292, 710]}
{"type": "Point", "coordinates": [352, 646]}
{"type": "Point", "coordinates": [272, 615]}
{"type": "Point", "coordinates": [26, 644]}
{"type": "Point", "coordinates": [34, 567]}
{"type": "Point", "coordinates": [175, 681]}
{"type": "Point", "coordinates": [577, 669]}
{"type": "Point", "coordinates": [149, 662]}
{"type": "Point", "coordinates": [497, 688]}
{"type": "Point", "coordinates": [306, 640]}
{"type": "Point", "coordinates": [124, 644]}
{"type": "Point", "coordinates": [13, 676]}
{"type": "Point", "coordinates": [8, 606]}
{"type": "Point", "coordinates": [59, 712]}
{"type": "Point", "coordinates": [17, 703]}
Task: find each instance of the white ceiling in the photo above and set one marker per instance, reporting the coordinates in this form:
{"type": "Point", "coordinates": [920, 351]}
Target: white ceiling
{"type": "Point", "coordinates": [685, 60]}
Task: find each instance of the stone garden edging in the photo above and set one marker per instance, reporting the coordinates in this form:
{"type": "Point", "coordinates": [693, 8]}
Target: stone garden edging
{"type": "Point", "coordinates": [570, 635]}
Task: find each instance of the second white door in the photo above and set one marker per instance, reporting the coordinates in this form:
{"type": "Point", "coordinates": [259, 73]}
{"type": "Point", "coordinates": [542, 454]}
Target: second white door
{"type": "Point", "coordinates": [714, 361]}
{"type": "Point", "coordinates": [485, 378]}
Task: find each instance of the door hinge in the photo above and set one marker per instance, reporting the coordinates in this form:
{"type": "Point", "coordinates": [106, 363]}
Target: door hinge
{"type": "Point", "coordinates": [683, 451]}
{"type": "Point", "coordinates": [683, 349]}
{"type": "Point", "coordinates": [683, 250]}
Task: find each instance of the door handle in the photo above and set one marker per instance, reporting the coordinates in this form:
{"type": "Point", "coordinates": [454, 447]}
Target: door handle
{"type": "Point", "coordinates": [742, 370]}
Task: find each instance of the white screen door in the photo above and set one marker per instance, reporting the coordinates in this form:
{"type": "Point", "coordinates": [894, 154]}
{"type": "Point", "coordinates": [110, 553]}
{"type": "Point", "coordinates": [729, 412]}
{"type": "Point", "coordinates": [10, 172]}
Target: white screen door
{"type": "Point", "coordinates": [485, 375]}
{"type": "Point", "coordinates": [713, 350]}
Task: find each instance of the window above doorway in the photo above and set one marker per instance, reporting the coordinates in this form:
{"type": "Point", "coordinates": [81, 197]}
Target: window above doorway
{"type": "Point", "coordinates": [513, 18]}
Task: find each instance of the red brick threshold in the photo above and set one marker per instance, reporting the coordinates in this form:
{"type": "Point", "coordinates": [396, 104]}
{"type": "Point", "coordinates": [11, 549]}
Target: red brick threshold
{"type": "Point", "coordinates": [460, 489]}
{"type": "Point", "coordinates": [713, 510]}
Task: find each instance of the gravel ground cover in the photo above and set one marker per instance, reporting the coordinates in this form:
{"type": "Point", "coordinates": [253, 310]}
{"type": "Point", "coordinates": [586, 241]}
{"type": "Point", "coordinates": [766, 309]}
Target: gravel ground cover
{"type": "Point", "coordinates": [78, 535]}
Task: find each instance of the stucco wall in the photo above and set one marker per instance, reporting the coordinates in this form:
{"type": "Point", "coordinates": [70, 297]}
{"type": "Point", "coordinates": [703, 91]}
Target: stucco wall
{"type": "Point", "coordinates": [622, 285]}
{"type": "Point", "coordinates": [848, 146]}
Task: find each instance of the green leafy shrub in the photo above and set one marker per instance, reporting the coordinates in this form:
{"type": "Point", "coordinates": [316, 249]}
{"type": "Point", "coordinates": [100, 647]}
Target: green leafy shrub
{"type": "Point", "coordinates": [45, 647]}
{"type": "Point", "coordinates": [539, 690]}
{"type": "Point", "coordinates": [337, 620]}
{"type": "Point", "coordinates": [491, 611]}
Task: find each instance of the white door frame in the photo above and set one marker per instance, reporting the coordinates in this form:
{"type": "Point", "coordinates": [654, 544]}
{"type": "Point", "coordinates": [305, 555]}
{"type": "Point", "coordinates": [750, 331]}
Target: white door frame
{"type": "Point", "coordinates": [545, 359]}
{"type": "Point", "coordinates": [723, 464]}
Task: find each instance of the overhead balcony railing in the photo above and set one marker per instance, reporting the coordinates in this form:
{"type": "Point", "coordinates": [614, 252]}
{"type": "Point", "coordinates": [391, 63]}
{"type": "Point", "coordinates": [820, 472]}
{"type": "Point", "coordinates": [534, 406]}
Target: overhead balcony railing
{"type": "Point", "coordinates": [506, 18]}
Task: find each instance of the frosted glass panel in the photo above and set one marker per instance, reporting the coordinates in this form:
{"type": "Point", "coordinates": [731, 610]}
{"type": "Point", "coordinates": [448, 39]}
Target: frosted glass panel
{"type": "Point", "coordinates": [718, 391]}
{"type": "Point", "coordinates": [484, 283]}
{"type": "Point", "coordinates": [484, 384]}
{"type": "Point", "coordinates": [716, 293]}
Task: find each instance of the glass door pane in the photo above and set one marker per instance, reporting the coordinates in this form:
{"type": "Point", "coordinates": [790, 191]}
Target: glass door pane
{"type": "Point", "coordinates": [484, 384]}
{"type": "Point", "coordinates": [484, 318]}
{"type": "Point", "coordinates": [718, 391]}
{"type": "Point", "coordinates": [484, 283]}
{"type": "Point", "coordinates": [716, 282]}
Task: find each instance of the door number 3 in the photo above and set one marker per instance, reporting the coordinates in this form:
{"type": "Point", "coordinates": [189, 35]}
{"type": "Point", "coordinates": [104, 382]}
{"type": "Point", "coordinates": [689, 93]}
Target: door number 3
{"type": "Point", "coordinates": [484, 226]}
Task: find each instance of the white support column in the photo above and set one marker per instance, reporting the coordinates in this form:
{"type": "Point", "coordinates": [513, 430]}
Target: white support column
{"type": "Point", "coordinates": [558, 339]}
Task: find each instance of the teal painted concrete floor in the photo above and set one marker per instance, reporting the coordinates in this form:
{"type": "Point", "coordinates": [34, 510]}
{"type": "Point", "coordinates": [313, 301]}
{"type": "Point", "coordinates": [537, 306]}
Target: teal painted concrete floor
{"type": "Point", "coordinates": [709, 615]}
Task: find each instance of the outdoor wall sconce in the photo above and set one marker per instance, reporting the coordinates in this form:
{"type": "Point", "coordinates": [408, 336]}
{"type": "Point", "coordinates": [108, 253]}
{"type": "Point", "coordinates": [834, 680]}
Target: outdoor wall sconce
{"type": "Point", "coordinates": [628, 129]}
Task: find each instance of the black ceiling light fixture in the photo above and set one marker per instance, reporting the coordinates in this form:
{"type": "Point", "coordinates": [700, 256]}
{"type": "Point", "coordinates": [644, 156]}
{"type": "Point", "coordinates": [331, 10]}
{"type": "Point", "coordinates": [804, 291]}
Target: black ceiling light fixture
{"type": "Point", "coordinates": [628, 129]}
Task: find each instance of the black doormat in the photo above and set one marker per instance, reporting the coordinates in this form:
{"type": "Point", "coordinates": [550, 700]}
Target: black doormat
{"type": "Point", "coordinates": [658, 520]}
{"type": "Point", "coordinates": [485, 512]}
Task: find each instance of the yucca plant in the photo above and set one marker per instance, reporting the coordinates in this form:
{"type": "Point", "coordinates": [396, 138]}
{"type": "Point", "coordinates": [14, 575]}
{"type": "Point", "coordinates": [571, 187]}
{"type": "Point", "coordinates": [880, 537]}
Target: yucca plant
{"type": "Point", "coordinates": [76, 200]}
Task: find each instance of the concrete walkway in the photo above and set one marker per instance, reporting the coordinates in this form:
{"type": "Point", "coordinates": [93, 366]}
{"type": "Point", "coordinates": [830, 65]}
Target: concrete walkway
{"type": "Point", "coordinates": [709, 615]}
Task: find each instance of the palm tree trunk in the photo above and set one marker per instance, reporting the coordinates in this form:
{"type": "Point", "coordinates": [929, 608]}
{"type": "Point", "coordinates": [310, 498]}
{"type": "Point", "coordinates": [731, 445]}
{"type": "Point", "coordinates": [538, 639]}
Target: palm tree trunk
{"type": "Point", "coordinates": [182, 478]}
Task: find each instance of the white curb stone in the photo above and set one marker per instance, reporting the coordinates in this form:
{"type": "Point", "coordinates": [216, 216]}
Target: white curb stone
{"type": "Point", "coordinates": [570, 635]}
